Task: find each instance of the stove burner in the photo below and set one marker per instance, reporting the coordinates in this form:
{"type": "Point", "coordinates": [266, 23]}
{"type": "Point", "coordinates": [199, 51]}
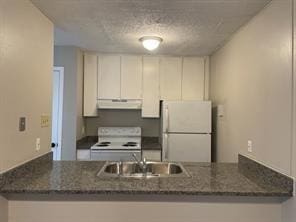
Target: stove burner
{"type": "Point", "coordinates": [130, 144]}
{"type": "Point", "coordinates": [105, 143]}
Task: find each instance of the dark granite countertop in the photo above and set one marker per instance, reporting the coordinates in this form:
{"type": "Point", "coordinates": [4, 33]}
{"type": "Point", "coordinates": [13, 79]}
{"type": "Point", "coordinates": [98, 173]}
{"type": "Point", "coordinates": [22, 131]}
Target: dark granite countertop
{"type": "Point", "coordinates": [148, 143]}
{"type": "Point", "coordinates": [79, 177]}
{"type": "Point", "coordinates": [86, 142]}
{"type": "Point", "coordinates": [151, 143]}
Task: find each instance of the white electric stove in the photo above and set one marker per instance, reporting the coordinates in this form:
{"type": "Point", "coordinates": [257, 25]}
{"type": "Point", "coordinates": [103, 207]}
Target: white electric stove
{"type": "Point", "coordinates": [117, 144]}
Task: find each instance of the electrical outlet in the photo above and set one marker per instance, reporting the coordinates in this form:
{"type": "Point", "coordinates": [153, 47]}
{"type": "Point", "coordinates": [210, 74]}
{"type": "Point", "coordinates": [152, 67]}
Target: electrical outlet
{"type": "Point", "coordinates": [22, 124]}
{"type": "Point", "coordinates": [250, 146]}
{"type": "Point", "coordinates": [44, 121]}
{"type": "Point", "coordinates": [37, 144]}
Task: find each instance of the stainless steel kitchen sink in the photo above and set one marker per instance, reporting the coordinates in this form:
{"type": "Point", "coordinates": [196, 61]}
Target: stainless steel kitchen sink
{"type": "Point", "coordinates": [152, 169]}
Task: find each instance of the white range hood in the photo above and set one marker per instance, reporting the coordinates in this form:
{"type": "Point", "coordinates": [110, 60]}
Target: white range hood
{"type": "Point", "coordinates": [119, 104]}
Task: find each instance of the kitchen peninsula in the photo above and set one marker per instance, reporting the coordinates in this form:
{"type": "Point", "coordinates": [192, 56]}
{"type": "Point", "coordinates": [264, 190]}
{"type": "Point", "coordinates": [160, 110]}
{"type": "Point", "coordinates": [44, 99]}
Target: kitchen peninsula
{"type": "Point", "coordinates": [43, 176]}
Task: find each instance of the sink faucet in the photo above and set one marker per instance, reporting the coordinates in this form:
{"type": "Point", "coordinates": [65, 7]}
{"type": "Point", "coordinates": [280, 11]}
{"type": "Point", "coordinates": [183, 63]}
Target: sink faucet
{"type": "Point", "coordinates": [142, 163]}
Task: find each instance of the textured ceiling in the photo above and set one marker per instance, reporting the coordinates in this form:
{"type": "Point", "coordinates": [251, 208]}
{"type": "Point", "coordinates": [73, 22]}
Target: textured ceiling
{"type": "Point", "coordinates": [188, 27]}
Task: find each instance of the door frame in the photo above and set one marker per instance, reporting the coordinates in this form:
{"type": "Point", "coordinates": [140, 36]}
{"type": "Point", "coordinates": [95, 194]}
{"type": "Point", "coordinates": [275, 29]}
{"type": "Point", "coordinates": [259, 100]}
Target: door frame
{"type": "Point", "coordinates": [58, 153]}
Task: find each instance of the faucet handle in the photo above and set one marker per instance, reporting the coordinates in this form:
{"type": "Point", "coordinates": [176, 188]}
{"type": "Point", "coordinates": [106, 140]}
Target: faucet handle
{"type": "Point", "coordinates": [120, 170]}
{"type": "Point", "coordinates": [135, 158]}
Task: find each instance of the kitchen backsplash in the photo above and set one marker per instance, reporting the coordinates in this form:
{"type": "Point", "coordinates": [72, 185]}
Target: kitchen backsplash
{"type": "Point", "coordinates": [150, 127]}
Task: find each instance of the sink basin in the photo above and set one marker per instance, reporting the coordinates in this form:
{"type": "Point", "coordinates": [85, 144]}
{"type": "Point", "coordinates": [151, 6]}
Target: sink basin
{"type": "Point", "coordinates": [133, 169]}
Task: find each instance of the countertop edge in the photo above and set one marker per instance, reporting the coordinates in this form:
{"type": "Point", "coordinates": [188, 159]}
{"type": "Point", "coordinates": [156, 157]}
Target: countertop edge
{"type": "Point", "coordinates": [138, 192]}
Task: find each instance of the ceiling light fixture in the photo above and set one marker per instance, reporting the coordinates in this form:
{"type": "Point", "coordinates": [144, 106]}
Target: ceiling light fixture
{"type": "Point", "coordinates": [150, 42]}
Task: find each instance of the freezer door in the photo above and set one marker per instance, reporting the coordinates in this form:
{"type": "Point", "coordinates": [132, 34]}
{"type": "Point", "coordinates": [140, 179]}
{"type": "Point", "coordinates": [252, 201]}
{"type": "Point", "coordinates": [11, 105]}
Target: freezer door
{"type": "Point", "coordinates": [187, 147]}
{"type": "Point", "coordinates": [186, 117]}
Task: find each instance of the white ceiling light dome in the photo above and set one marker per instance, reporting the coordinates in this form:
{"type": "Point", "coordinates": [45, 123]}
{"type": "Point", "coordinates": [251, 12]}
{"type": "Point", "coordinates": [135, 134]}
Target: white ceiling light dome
{"type": "Point", "coordinates": [150, 42]}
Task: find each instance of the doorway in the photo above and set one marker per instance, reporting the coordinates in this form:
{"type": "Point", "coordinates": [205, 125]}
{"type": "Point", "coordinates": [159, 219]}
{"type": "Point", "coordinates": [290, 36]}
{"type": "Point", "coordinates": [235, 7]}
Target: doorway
{"type": "Point", "coordinates": [57, 112]}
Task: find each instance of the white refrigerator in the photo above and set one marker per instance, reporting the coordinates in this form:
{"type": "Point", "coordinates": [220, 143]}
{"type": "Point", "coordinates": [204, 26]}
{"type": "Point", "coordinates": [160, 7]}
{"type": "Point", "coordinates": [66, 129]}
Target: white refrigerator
{"type": "Point", "coordinates": [186, 131]}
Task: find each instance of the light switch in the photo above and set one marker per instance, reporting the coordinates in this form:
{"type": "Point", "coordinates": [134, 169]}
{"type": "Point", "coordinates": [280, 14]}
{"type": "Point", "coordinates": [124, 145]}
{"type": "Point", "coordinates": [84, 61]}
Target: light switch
{"type": "Point", "coordinates": [250, 146]}
{"type": "Point", "coordinates": [44, 121]}
{"type": "Point", "coordinates": [37, 144]}
{"type": "Point", "coordinates": [22, 124]}
{"type": "Point", "coordinates": [220, 111]}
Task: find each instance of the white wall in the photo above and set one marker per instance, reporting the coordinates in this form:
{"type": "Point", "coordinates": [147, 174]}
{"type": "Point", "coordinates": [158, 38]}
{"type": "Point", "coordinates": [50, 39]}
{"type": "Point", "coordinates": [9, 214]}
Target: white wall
{"type": "Point", "coordinates": [70, 58]}
{"type": "Point", "coordinates": [26, 61]}
{"type": "Point", "coordinates": [252, 77]}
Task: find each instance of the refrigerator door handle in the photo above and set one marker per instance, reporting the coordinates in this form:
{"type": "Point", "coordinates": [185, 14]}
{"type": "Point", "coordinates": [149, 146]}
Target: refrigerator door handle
{"type": "Point", "coordinates": [166, 116]}
{"type": "Point", "coordinates": [166, 147]}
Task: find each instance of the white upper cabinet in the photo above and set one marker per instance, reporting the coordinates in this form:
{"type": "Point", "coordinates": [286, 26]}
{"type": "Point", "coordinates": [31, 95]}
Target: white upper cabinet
{"type": "Point", "coordinates": [193, 78]}
{"type": "Point", "coordinates": [90, 85]}
{"type": "Point", "coordinates": [109, 77]}
{"type": "Point", "coordinates": [131, 77]}
{"type": "Point", "coordinates": [150, 104]}
{"type": "Point", "coordinates": [147, 78]}
{"type": "Point", "coordinates": [170, 71]}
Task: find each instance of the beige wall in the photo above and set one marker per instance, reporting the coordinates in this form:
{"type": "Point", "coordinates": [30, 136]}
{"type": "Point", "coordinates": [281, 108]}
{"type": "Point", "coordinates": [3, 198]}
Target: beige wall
{"type": "Point", "coordinates": [26, 61]}
{"type": "Point", "coordinates": [129, 211]}
{"type": "Point", "coordinates": [3, 210]}
{"type": "Point", "coordinates": [251, 76]}
{"type": "Point", "coordinates": [71, 58]}
{"type": "Point", "coordinates": [150, 127]}
{"type": "Point", "coordinates": [289, 207]}
{"type": "Point", "coordinates": [294, 98]}
{"type": "Point", "coordinates": [80, 128]}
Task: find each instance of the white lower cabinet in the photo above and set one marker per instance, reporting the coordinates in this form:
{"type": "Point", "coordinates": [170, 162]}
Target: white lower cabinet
{"type": "Point", "coordinates": [151, 104]}
{"type": "Point", "coordinates": [83, 154]}
{"type": "Point", "coordinates": [154, 155]}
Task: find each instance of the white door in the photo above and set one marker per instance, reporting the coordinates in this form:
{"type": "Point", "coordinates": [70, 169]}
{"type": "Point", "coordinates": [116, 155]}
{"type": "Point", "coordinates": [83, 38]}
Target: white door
{"type": "Point", "coordinates": [187, 147]}
{"type": "Point", "coordinates": [170, 78]}
{"type": "Point", "coordinates": [187, 116]}
{"type": "Point", "coordinates": [109, 77]}
{"type": "Point", "coordinates": [131, 77]}
{"type": "Point", "coordinates": [57, 112]}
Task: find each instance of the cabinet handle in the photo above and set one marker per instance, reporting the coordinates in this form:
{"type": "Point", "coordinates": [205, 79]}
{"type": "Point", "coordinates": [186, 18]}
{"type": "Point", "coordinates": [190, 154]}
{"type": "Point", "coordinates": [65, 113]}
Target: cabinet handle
{"type": "Point", "coordinates": [166, 119]}
{"type": "Point", "coordinates": [166, 147]}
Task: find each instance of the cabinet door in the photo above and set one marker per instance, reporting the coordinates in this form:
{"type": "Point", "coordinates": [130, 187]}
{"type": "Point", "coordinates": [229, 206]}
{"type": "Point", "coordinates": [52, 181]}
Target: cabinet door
{"type": "Point", "coordinates": [109, 77]}
{"type": "Point", "coordinates": [131, 77]}
{"type": "Point", "coordinates": [90, 85]}
{"type": "Point", "coordinates": [83, 154]}
{"type": "Point", "coordinates": [170, 78]}
{"type": "Point", "coordinates": [150, 105]}
{"type": "Point", "coordinates": [193, 78]}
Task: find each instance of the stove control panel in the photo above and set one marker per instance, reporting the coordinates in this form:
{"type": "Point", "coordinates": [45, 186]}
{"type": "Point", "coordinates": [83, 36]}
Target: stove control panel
{"type": "Point", "coordinates": [119, 131]}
